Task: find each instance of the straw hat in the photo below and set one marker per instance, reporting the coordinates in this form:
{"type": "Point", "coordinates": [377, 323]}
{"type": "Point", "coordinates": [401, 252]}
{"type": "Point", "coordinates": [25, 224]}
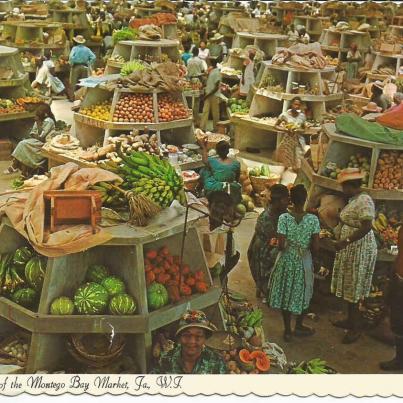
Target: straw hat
{"type": "Point", "coordinates": [217, 36]}
{"type": "Point", "coordinates": [350, 174]}
{"type": "Point", "coordinates": [378, 84]}
{"type": "Point", "coordinates": [195, 319]}
{"type": "Point", "coordinates": [372, 107]}
{"type": "Point", "coordinates": [79, 39]}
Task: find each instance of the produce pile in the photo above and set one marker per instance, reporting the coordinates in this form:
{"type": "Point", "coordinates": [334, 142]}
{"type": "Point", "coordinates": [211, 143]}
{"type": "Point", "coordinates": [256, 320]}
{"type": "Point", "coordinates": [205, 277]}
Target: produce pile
{"type": "Point", "coordinates": [164, 76]}
{"type": "Point", "coordinates": [21, 276]}
{"type": "Point", "coordinates": [386, 225]}
{"type": "Point", "coordinates": [230, 71]}
{"type": "Point", "coordinates": [388, 173]}
{"type": "Point", "coordinates": [102, 292]}
{"type": "Point", "coordinates": [245, 206]}
{"type": "Point", "coordinates": [269, 81]}
{"type": "Point", "coordinates": [101, 111]}
{"type": "Point", "coordinates": [315, 367]}
{"type": "Point", "coordinates": [134, 108]}
{"type": "Point", "coordinates": [332, 169]}
{"type": "Point", "coordinates": [153, 178]}
{"type": "Point", "coordinates": [385, 70]}
{"type": "Point", "coordinates": [150, 32]}
{"type": "Point", "coordinates": [170, 109]}
{"type": "Point", "coordinates": [193, 85]}
{"type": "Point", "coordinates": [244, 320]}
{"type": "Point", "coordinates": [107, 156]}
{"type": "Point", "coordinates": [8, 106]}
{"type": "Point", "coordinates": [117, 59]}
{"type": "Point", "coordinates": [238, 106]}
{"type": "Point", "coordinates": [246, 362]}
{"type": "Point", "coordinates": [309, 60]}
{"type": "Point", "coordinates": [15, 349]}
{"type": "Point", "coordinates": [125, 34]}
{"type": "Point", "coordinates": [132, 66]}
{"type": "Point", "coordinates": [109, 195]}
{"type": "Point", "coordinates": [164, 282]}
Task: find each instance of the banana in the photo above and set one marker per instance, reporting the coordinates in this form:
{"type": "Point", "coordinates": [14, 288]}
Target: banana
{"type": "Point", "coordinates": [383, 220]}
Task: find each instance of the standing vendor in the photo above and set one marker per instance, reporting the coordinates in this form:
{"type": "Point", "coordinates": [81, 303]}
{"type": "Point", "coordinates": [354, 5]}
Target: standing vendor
{"type": "Point", "coordinates": [81, 60]}
{"type": "Point", "coordinates": [212, 97]}
{"type": "Point", "coordinates": [353, 60]}
{"type": "Point", "coordinates": [191, 355]}
{"type": "Point", "coordinates": [292, 147]}
{"type": "Point", "coordinates": [215, 48]}
{"type": "Point", "coordinates": [248, 73]}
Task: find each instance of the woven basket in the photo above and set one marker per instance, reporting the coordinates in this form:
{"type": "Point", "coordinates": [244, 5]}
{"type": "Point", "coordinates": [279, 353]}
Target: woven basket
{"type": "Point", "coordinates": [213, 139]}
{"type": "Point", "coordinates": [261, 183]}
{"type": "Point", "coordinates": [76, 347]}
{"type": "Point", "coordinates": [191, 184]}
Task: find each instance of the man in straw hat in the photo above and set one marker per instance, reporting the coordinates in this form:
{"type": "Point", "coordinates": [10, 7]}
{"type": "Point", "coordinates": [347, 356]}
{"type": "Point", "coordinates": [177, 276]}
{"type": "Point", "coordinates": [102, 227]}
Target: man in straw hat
{"type": "Point", "coordinates": [191, 356]}
{"type": "Point", "coordinates": [81, 59]}
{"type": "Point", "coordinates": [217, 50]}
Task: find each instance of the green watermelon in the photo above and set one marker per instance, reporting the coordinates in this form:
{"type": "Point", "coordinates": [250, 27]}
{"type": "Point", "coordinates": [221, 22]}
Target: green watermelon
{"type": "Point", "coordinates": [62, 306]}
{"type": "Point", "coordinates": [114, 285]}
{"type": "Point", "coordinates": [96, 273]}
{"type": "Point", "coordinates": [25, 297]}
{"type": "Point", "coordinates": [122, 304]}
{"type": "Point", "coordinates": [91, 299]}
{"type": "Point", "coordinates": [157, 296]}
{"type": "Point", "coordinates": [35, 272]}
{"type": "Point", "coordinates": [22, 255]}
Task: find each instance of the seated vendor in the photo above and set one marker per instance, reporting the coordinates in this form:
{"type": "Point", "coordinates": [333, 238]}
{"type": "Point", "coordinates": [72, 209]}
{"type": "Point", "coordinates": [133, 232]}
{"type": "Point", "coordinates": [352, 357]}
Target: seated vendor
{"type": "Point", "coordinates": [221, 172]}
{"type": "Point", "coordinates": [379, 97]}
{"type": "Point", "coordinates": [27, 155]}
{"type": "Point", "coordinates": [191, 356]}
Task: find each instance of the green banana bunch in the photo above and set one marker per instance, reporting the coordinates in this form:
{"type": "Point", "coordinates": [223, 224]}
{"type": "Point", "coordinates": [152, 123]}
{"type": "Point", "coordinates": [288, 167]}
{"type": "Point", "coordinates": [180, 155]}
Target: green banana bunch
{"type": "Point", "coordinates": [253, 318]}
{"type": "Point", "coordinates": [10, 280]}
{"type": "Point", "coordinates": [316, 366]}
{"type": "Point", "coordinates": [109, 195]}
{"type": "Point", "coordinates": [109, 165]}
{"type": "Point", "coordinates": [153, 177]}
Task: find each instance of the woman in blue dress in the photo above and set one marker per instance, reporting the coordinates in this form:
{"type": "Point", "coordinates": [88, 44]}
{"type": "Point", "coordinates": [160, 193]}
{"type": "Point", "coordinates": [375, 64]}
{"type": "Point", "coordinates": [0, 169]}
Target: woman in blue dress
{"type": "Point", "coordinates": [291, 281]}
{"type": "Point", "coordinates": [221, 173]}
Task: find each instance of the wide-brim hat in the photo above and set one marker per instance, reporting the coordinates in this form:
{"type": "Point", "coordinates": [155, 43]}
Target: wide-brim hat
{"type": "Point", "coordinates": [372, 107]}
{"type": "Point", "coordinates": [378, 84]}
{"type": "Point", "coordinates": [216, 37]}
{"type": "Point", "coordinates": [350, 174]}
{"type": "Point", "coordinates": [195, 319]}
{"type": "Point", "coordinates": [79, 39]}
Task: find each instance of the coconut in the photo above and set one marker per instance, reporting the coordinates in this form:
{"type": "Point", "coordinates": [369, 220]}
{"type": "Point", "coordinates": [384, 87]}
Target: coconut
{"type": "Point", "coordinates": [256, 341]}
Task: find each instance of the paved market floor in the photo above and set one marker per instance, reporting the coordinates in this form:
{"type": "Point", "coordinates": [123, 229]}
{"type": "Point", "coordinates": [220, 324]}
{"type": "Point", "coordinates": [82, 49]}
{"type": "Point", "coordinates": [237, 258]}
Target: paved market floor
{"type": "Point", "coordinates": [361, 357]}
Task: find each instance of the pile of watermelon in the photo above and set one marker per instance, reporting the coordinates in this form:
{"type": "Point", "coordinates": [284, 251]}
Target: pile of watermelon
{"type": "Point", "coordinates": [21, 276]}
{"type": "Point", "coordinates": [162, 271]}
{"type": "Point", "coordinates": [102, 293]}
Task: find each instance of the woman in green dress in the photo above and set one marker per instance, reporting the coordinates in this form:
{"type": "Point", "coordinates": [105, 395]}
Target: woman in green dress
{"type": "Point", "coordinates": [221, 173]}
{"type": "Point", "coordinates": [262, 252]}
{"type": "Point", "coordinates": [291, 281]}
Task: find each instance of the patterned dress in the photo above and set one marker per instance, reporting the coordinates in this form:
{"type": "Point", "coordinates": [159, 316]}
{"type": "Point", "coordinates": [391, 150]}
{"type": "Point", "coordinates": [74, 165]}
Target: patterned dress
{"type": "Point", "coordinates": [208, 363]}
{"type": "Point", "coordinates": [354, 265]}
{"type": "Point", "coordinates": [261, 255]}
{"type": "Point", "coordinates": [291, 281]}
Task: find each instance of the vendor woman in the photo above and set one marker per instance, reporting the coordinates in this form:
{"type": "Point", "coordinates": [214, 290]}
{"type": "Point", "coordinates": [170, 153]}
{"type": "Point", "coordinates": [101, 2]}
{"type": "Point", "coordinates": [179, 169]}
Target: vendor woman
{"type": "Point", "coordinates": [292, 146]}
{"type": "Point", "coordinates": [191, 356]}
{"type": "Point", "coordinates": [27, 156]}
{"type": "Point", "coordinates": [221, 172]}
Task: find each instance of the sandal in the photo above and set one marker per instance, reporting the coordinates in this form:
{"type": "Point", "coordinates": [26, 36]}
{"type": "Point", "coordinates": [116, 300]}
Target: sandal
{"type": "Point", "coordinates": [10, 170]}
{"type": "Point", "coordinates": [351, 336]}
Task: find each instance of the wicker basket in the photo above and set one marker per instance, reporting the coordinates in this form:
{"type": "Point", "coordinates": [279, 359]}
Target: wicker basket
{"type": "Point", "coordinates": [213, 139]}
{"type": "Point", "coordinates": [261, 183]}
{"type": "Point", "coordinates": [77, 347]}
{"type": "Point", "coordinates": [191, 184]}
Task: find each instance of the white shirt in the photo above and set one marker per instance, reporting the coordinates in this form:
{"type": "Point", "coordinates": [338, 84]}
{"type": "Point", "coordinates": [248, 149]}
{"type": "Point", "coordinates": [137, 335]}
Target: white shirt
{"type": "Point", "coordinates": [204, 53]}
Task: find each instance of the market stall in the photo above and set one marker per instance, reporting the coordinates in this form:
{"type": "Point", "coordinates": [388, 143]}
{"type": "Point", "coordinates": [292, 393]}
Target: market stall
{"type": "Point", "coordinates": [34, 39]}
